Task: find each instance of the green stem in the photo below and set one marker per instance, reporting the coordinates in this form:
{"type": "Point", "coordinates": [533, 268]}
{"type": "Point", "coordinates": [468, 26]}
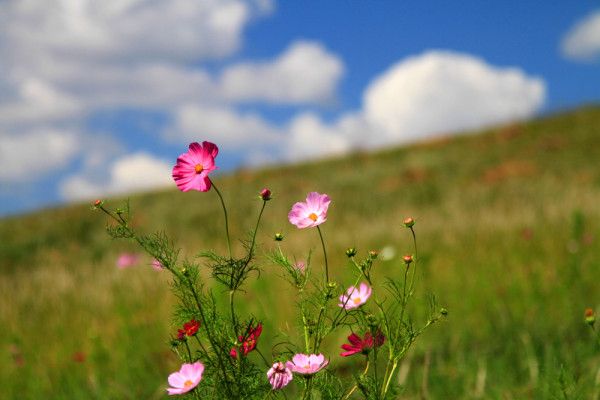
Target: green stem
{"type": "Point", "coordinates": [255, 231]}
{"type": "Point", "coordinates": [346, 397]}
{"type": "Point", "coordinates": [325, 255]}
{"type": "Point", "coordinates": [307, 388]}
{"type": "Point", "coordinates": [231, 308]}
{"type": "Point", "coordinates": [187, 346]}
{"type": "Point", "coordinates": [226, 219]}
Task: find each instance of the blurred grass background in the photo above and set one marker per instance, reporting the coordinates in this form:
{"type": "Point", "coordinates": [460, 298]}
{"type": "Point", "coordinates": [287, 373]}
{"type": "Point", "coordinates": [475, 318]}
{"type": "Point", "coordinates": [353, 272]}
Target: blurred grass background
{"type": "Point", "coordinates": [508, 230]}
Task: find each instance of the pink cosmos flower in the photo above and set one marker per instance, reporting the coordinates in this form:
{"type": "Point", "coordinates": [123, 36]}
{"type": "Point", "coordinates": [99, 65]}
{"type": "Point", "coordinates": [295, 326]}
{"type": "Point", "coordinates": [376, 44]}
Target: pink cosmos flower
{"type": "Point", "coordinates": [355, 297]}
{"type": "Point", "coordinates": [311, 213]}
{"type": "Point", "coordinates": [157, 265]}
{"type": "Point", "coordinates": [193, 167]}
{"type": "Point", "coordinates": [300, 266]}
{"type": "Point", "coordinates": [364, 345]}
{"type": "Point", "coordinates": [188, 377]}
{"type": "Point", "coordinates": [126, 260]}
{"type": "Point", "coordinates": [279, 375]}
{"type": "Point", "coordinates": [307, 365]}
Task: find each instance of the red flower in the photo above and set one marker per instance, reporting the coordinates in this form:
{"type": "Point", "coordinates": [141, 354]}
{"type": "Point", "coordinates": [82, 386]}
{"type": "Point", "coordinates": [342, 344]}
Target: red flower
{"type": "Point", "coordinates": [248, 341]}
{"type": "Point", "coordinates": [180, 334]}
{"type": "Point", "coordinates": [191, 327]}
{"type": "Point", "coordinates": [364, 345]}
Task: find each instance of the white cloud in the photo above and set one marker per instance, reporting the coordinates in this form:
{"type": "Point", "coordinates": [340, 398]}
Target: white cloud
{"type": "Point", "coordinates": [441, 92]}
{"type": "Point", "coordinates": [582, 42]}
{"type": "Point", "coordinates": [31, 156]}
{"type": "Point", "coordinates": [221, 125]}
{"type": "Point", "coordinates": [305, 73]}
{"type": "Point", "coordinates": [131, 173]}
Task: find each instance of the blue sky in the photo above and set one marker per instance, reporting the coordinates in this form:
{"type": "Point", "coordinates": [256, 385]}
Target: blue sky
{"type": "Point", "coordinates": [99, 98]}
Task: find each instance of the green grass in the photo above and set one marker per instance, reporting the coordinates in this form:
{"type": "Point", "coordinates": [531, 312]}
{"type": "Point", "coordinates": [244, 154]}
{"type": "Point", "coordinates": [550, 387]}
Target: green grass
{"type": "Point", "coordinates": [508, 224]}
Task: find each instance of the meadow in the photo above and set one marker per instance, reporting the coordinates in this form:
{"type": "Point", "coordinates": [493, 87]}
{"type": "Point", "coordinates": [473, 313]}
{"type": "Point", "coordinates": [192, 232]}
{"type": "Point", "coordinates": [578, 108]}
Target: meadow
{"type": "Point", "coordinates": [508, 224]}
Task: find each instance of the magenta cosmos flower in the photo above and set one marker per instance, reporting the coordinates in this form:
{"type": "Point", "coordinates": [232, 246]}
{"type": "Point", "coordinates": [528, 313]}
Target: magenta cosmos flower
{"type": "Point", "coordinates": [355, 297]}
{"type": "Point", "coordinates": [279, 375]}
{"type": "Point", "coordinates": [307, 365]}
{"type": "Point", "coordinates": [364, 345]}
{"type": "Point", "coordinates": [192, 168]}
{"type": "Point", "coordinates": [311, 213]}
{"type": "Point", "coordinates": [187, 378]}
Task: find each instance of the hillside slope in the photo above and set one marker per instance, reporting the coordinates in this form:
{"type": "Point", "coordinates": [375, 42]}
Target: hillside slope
{"type": "Point", "coordinates": [508, 228]}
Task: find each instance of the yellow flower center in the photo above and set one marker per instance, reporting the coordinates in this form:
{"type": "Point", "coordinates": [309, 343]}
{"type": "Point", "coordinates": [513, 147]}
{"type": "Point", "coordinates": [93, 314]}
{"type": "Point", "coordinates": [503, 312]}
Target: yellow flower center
{"type": "Point", "coordinates": [357, 300]}
{"type": "Point", "coordinates": [313, 216]}
{"type": "Point", "coordinates": [199, 168]}
{"type": "Point", "coordinates": [188, 383]}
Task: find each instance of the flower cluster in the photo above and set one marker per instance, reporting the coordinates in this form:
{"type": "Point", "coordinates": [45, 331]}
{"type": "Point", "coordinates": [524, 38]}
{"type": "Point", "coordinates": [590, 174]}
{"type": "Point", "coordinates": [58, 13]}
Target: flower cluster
{"type": "Point", "coordinates": [230, 349]}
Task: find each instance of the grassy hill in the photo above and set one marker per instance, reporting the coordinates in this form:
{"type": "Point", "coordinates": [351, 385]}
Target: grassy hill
{"type": "Point", "coordinates": [508, 223]}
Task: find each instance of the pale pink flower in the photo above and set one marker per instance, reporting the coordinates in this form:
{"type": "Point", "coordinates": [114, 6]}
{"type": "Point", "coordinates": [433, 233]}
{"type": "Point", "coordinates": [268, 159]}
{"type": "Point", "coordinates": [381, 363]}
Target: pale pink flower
{"type": "Point", "coordinates": [157, 265]}
{"type": "Point", "coordinates": [193, 167]}
{"type": "Point", "coordinates": [311, 213]}
{"type": "Point", "coordinates": [187, 378]}
{"type": "Point", "coordinates": [126, 260]}
{"type": "Point", "coordinates": [279, 375]}
{"type": "Point", "coordinates": [355, 297]}
{"type": "Point", "coordinates": [307, 365]}
{"type": "Point", "coordinates": [300, 266]}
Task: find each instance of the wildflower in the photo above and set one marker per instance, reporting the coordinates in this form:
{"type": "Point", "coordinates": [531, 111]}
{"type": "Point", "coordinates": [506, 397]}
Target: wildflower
{"type": "Point", "coordinates": [126, 260]}
{"type": "Point", "coordinates": [307, 365]}
{"type": "Point", "coordinates": [590, 318]}
{"type": "Point", "coordinates": [157, 265]}
{"type": "Point", "coordinates": [191, 328]}
{"type": "Point", "coordinates": [248, 341]}
{"type": "Point", "coordinates": [355, 297]}
{"type": "Point", "coordinates": [351, 252]}
{"type": "Point", "coordinates": [407, 259]}
{"type": "Point", "coordinates": [364, 345]}
{"type": "Point", "coordinates": [300, 266]}
{"type": "Point", "coordinates": [187, 378]}
{"type": "Point", "coordinates": [278, 237]}
{"type": "Point", "coordinates": [311, 213]}
{"type": "Point", "coordinates": [408, 222]}
{"type": "Point", "coordinates": [373, 254]}
{"type": "Point", "coordinates": [192, 168]}
{"type": "Point", "coordinates": [279, 375]}
{"type": "Point", "coordinates": [265, 194]}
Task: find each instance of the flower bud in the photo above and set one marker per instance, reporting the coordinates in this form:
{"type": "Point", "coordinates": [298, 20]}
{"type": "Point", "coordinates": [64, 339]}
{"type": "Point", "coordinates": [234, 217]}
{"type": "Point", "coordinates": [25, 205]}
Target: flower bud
{"type": "Point", "coordinates": [409, 222]}
{"type": "Point", "coordinates": [119, 211]}
{"type": "Point", "coordinates": [278, 237]}
{"type": "Point", "coordinates": [373, 254]}
{"type": "Point", "coordinates": [98, 203]}
{"type": "Point", "coordinates": [590, 318]}
{"type": "Point", "coordinates": [331, 285]}
{"type": "Point", "coordinates": [265, 194]}
{"type": "Point", "coordinates": [185, 272]}
{"type": "Point", "coordinates": [351, 252]}
{"type": "Point", "coordinates": [407, 259]}
{"type": "Point", "coordinates": [443, 311]}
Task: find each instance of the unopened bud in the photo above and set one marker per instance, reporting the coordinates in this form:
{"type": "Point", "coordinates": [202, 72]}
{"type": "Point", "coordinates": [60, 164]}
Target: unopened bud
{"type": "Point", "coordinates": [174, 343]}
{"type": "Point", "coordinates": [331, 285]}
{"type": "Point", "coordinates": [409, 222]}
{"type": "Point", "coordinates": [265, 194]}
{"type": "Point", "coordinates": [98, 203]}
{"type": "Point", "coordinates": [373, 254]}
{"type": "Point", "coordinates": [278, 237]}
{"type": "Point", "coordinates": [119, 211]}
{"type": "Point", "coordinates": [590, 318]}
{"type": "Point", "coordinates": [185, 272]}
{"type": "Point", "coordinates": [443, 311]}
{"type": "Point", "coordinates": [351, 252]}
{"type": "Point", "coordinates": [372, 321]}
{"type": "Point", "coordinates": [407, 259]}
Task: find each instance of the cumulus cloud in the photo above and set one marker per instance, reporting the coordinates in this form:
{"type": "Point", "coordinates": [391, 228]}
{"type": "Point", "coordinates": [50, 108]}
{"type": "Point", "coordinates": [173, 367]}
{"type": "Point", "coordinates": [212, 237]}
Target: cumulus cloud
{"type": "Point", "coordinates": [441, 92]}
{"type": "Point", "coordinates": [131, 173]}
{"type": "Point", "coordinates": [306, 72]}
{"type": "Point", "coordinates": [31, 156]}
{"type": "Point", "coordinates": [582, 42]}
